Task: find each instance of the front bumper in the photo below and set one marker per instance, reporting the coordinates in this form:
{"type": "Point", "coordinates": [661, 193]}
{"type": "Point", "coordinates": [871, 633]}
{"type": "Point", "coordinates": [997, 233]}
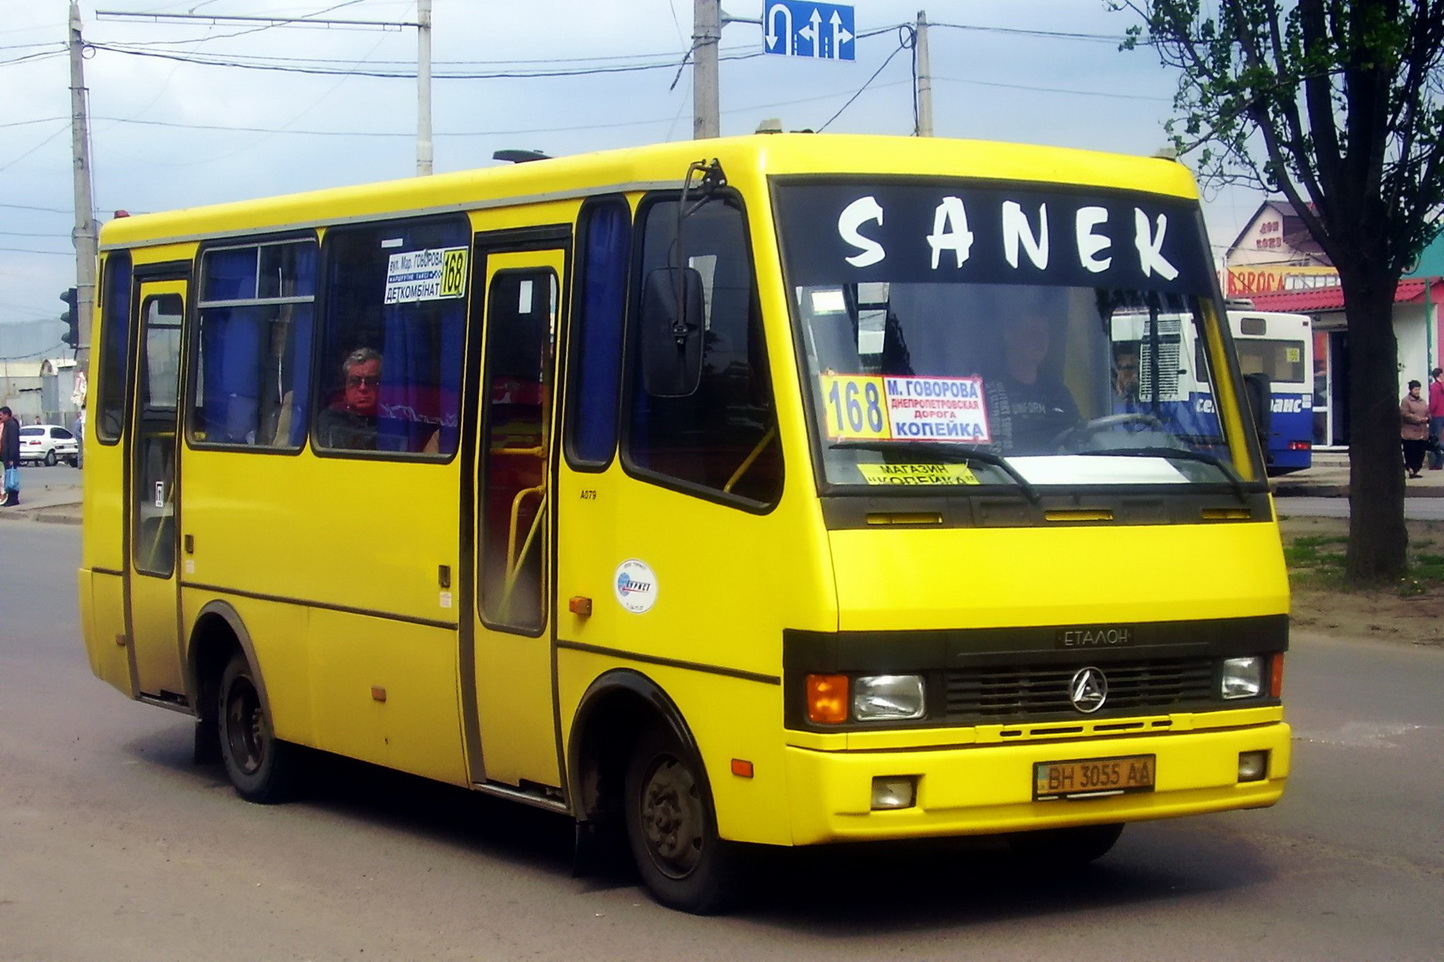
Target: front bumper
{"type": "Point", "coordinates": [979, 789]}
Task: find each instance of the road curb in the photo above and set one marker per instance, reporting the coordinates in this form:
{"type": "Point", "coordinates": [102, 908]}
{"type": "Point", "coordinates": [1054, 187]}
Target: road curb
{"type": "Point", "coordinates": [44, 513]}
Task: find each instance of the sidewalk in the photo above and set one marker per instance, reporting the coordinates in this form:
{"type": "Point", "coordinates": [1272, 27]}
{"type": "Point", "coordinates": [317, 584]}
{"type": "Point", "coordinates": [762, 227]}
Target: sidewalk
{"type": "Point", "coordinates": [58, 504]}
{"type": "Point", "coordinates": [1329, 478]}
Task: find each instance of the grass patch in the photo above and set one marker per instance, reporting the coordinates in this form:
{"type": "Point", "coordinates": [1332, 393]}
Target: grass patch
{"type": "Point", "coordinates": [1318, 561]}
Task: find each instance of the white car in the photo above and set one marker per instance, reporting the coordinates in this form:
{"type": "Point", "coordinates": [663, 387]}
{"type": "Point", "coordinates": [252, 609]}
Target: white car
{"type": "Point", "coordinates": [48, 443]}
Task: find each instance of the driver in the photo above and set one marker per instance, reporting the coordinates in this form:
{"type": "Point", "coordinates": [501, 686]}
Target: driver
{"type": "Point", "coordinates": [1027, 407]}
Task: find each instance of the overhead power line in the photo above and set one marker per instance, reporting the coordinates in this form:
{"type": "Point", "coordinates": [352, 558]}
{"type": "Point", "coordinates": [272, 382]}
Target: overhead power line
{"type": "Point", "coordinates": [1045, 34]}
{"type": "Point", "coordinates": [398, 73]}
{"type": "Point", "coordinates": [30, 57]}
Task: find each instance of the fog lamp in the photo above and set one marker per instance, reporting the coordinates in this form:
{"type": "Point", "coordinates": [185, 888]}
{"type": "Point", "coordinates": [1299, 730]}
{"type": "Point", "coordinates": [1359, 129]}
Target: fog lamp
{"type": "Point", "coordinates": [894, 791]}
{"type": "Point", "coordinates": [1252, 766]}
{"type": "Point", "coordinates": [887, 697]}
{"type": "Point", "coordinates": [1242, 677]}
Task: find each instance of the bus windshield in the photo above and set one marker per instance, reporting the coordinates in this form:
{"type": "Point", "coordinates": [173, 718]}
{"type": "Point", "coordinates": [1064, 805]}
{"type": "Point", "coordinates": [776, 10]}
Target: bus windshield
{"type": "Point", "coordinates": [983, 336]}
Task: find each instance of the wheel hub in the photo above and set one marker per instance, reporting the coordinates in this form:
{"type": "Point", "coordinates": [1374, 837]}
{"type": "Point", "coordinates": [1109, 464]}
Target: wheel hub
{"type": "Point", "coordinates": [671, 818]}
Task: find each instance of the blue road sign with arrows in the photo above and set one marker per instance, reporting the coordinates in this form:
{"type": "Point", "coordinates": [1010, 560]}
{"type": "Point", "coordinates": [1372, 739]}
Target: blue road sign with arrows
{"type": "Point", "coordinates": [798, 28]}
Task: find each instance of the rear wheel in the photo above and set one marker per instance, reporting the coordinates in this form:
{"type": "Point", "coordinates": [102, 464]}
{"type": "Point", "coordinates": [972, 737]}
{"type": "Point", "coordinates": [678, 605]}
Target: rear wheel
{"type": "Point", "coordinates": [1066, 846]}
{"type": "Point", "coordinates": [672, 828]}
{"type": "Point", "coordinates": [260, 766]}
{"type": "Point", "coordinates": [50, 458]}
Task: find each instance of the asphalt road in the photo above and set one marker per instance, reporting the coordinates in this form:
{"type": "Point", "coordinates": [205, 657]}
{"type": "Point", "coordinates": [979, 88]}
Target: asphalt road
{"type": "Point", "coordinates": [114, 846]}
{"type": "Point", "coordinates": [1415, 509]}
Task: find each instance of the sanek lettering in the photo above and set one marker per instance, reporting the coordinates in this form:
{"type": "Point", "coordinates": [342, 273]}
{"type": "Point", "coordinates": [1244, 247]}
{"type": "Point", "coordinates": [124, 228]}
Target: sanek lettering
{"type": "Point", "coordinates": [1024, 235]}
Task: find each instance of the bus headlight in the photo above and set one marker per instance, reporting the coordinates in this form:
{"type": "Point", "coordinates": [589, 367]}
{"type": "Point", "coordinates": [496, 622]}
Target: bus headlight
{"type": "Point", "coordinates": [1242, 677]}
{"type": "Point", "coordinates": [888, 697]}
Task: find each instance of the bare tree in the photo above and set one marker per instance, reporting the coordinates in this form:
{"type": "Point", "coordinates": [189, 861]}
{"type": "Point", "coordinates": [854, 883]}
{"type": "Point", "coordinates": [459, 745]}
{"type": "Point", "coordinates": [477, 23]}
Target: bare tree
{"type": "Point", "coordinates": [1336, 104]}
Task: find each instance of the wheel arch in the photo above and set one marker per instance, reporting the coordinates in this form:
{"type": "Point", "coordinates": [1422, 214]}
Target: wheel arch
{"type": "Point", "coordinates": [218, 633]}
{"type": "Point", "coordinates": [615, 710]}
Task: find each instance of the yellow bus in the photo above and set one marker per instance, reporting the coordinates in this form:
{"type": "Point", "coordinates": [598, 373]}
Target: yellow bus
{"type": "Point", "coordinates": [763, 491]}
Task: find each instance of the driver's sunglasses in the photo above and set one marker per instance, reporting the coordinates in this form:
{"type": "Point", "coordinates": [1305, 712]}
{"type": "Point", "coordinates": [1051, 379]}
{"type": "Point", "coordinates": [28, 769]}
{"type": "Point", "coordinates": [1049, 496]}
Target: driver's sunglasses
{"type": "Point", "coordinates": [363, 380]}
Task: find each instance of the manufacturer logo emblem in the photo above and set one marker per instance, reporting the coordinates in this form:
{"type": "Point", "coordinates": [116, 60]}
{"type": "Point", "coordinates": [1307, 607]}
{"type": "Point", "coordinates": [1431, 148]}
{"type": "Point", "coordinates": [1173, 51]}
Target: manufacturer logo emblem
{"type": "Point", "coordinates": [1088, 690]}
{"type": "Point", "coordinates": [636, 586]}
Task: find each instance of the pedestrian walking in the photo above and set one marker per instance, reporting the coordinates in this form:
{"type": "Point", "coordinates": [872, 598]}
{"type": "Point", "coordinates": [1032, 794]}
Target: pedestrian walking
{"type": "Point", "coordinates": [10, 456]}
{"type": "Point", "coordinates": [1436, 419]}
{"type": "Point", "coordinates": [1414, 428]}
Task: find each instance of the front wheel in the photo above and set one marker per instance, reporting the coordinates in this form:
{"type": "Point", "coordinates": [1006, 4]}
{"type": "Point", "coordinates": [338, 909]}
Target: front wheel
{"type": "Point", "coordinates": [260, 766]}
{"type": "Point", "coordinates": [672, 828]}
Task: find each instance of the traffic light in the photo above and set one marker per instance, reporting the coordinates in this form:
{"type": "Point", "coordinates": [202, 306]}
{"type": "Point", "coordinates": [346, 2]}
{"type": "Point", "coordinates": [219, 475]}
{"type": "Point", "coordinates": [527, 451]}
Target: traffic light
{"type": "Point", "coordinates": [71, 316]}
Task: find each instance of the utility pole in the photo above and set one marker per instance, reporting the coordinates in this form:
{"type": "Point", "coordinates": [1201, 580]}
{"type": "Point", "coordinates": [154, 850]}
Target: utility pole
{"type": "Point", "coordinates": [84, 235]}
{"type": "Point", "coordinates": [706, 35]}
{"type": "Point", "coordinates": [925, 78]}
{"type": "Point", "coordinates": [423, 88]}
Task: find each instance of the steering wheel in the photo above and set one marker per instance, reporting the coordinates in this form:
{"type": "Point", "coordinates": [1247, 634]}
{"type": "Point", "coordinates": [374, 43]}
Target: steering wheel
{"type": "Point", "coordinates": [1071, 437]}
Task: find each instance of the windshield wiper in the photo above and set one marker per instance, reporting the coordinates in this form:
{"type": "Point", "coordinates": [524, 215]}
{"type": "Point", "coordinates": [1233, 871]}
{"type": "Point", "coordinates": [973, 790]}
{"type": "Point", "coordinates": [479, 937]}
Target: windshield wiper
{"type": "Point", "coordinates": [950, 453]}
{"type": "Point", "coordinates": [1180, 454]}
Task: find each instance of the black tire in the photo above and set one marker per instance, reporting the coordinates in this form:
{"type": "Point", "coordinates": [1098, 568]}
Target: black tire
{"type": "Point", "coordinates": [50, 458]}
{"type": "Point", "coordinates": [1063, 847]}
{"type": "Point", "coordinates": [260, 766]}
{"type": "Point", "coordinates": [672, 828]}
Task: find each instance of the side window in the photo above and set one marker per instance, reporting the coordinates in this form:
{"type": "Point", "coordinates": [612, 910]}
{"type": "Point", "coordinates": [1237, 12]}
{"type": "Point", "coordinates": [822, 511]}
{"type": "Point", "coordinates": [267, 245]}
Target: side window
{"type": "Point", "coordinates": [521, 310]}
{"type": "Point", "coordinates": [393, 336]}
{"type": "Point", "coordinates": [723, 436]}
{"type": "Point", "coordinates": [596, 336]}
{"type": "Point", "coordinates": [154, 444]}
{"type": "Point", "coordinates": [114, 360]}
{"type": "Point", "coordinates": [254, 349]}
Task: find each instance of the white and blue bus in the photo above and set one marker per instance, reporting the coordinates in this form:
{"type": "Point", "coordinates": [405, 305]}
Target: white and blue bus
{"type": "Point", "coordinates": [1275, 352]}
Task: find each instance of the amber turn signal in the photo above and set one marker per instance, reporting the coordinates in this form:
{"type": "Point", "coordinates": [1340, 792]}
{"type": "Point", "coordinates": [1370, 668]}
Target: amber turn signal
{"type": "Point", "coordinates": [827, 699]}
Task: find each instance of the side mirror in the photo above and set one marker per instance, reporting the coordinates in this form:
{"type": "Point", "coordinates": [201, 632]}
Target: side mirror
{"type": "Point", "coordinates": [671, 332]}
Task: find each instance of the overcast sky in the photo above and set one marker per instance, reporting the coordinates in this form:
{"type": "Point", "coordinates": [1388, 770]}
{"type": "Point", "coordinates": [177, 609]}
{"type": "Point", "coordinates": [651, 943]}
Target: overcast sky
{"type": "Point", "coordinates": [168, 131]}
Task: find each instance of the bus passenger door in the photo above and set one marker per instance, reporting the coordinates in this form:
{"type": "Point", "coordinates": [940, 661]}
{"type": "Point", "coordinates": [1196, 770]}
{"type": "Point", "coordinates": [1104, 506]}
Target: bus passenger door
{"type": "Point", "coordinates": [515, 717]}
{"type": "Point", "coordinates": [152, 495]}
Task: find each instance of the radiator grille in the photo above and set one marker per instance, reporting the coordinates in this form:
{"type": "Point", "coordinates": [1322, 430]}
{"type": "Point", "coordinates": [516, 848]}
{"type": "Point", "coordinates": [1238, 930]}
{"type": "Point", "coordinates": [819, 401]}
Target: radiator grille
{"type": "Point", "coordinates": [1023, 691]}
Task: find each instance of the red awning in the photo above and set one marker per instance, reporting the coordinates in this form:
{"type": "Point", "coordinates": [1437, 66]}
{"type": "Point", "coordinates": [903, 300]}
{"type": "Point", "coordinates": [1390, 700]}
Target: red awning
{"type": "Point", "coordinates": [1321, 299]}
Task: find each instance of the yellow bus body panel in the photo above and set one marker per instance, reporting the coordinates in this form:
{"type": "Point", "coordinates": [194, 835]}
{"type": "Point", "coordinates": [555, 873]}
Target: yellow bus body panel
{"type": "Point", "coordinates": [1076, 576]}
{"type": "Point", "coordinates": [300, 558]}
{"type": "Point", "coordinates": [102, 618]}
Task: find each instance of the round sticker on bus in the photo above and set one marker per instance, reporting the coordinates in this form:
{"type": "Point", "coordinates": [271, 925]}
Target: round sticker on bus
{"type": "Point", "coordinates": [636, 586]}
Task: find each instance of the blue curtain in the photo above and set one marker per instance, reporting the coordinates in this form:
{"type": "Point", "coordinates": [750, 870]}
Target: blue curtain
{"type": "Point", "coordinates": [598, 340]}
{"type": "Point", "coordinates": [245, 381]}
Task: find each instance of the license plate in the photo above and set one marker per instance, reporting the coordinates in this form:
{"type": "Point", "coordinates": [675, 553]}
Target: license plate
{"type": "Point", "coordinates": [1093, 777]}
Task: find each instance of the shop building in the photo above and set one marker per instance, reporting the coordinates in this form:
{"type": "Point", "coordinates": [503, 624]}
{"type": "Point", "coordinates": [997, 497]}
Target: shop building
{"type": "Point", "coordinates": [1276, 264]}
